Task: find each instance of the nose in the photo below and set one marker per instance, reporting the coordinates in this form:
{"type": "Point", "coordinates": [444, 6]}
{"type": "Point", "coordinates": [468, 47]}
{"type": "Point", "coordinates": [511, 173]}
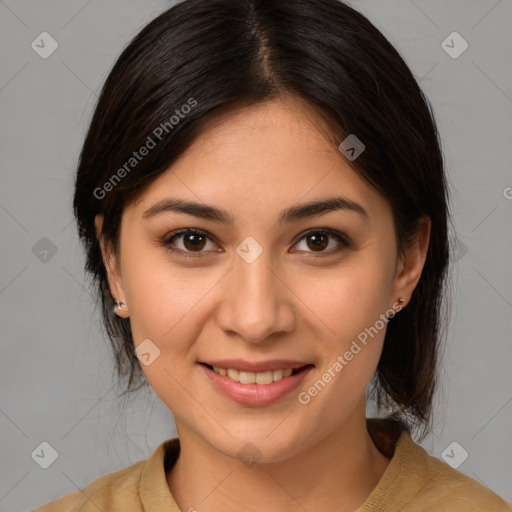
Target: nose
{"type": "Point", "coordinates": [256, 302]}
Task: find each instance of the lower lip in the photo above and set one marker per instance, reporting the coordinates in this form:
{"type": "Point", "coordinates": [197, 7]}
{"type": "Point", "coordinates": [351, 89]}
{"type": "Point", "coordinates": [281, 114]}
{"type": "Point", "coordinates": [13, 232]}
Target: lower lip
{"type": "Point", "coordinates": [256, 394]}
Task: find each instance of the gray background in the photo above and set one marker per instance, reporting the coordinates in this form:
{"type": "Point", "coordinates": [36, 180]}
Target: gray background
{"type": "Point", "coordinates": [56, 377]}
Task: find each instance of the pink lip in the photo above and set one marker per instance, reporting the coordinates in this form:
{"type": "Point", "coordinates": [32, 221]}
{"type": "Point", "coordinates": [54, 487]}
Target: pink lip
{"type": "Point", "coordinates": [263, 366]}
{"type": "Point", "coordinates": [256, 394]}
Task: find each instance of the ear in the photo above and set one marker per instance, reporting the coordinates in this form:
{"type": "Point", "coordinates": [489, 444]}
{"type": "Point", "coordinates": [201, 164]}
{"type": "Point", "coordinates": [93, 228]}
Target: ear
{"type": "Point", "coordinates": [111, 266]}
{"type": "Point", "coordinates": [410, 265]}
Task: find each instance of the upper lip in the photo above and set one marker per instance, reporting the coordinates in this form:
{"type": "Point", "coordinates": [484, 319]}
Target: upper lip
{"type": "Point", "coordinates": [262, 366]}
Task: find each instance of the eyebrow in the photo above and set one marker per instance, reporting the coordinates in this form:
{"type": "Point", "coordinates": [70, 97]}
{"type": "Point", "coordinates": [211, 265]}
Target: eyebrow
{"type": "Point", "coordinates": [291, 214]}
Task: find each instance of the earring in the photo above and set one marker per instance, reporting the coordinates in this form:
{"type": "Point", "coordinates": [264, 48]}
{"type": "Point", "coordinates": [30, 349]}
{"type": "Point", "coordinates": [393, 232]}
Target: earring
{"type": "Point", "coordinates": [118, 305]}
{"type": "Point", "coordinates": [400, 302]}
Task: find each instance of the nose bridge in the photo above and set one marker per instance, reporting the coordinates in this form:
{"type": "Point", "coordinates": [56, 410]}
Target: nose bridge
{"type": "Point", "coordinates": [255, 304]}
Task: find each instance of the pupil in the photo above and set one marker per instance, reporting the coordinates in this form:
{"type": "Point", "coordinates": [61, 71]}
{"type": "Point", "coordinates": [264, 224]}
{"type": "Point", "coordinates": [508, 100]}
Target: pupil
{"type": "Point", "coordinates": [194, 240]}
{"type": "Point", "coordinates": [317, 242]}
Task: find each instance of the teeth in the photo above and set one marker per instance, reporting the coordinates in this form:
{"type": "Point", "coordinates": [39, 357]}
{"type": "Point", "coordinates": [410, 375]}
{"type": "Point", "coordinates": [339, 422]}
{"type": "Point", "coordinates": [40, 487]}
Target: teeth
{"type": "Point", "coordinates": [252, 377]}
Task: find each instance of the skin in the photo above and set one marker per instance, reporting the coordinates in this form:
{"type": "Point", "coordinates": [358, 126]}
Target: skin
{"type": "Point", "coordinates": [294, 301]}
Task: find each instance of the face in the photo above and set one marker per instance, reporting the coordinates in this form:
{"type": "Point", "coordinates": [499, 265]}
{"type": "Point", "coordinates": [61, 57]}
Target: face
{"type": "Point", "coordinates": [258, 287]}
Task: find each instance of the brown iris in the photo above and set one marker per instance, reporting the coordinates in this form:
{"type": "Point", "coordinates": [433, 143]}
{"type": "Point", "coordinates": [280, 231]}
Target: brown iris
{"type": "Point", "coordinates": [193, 241]}
{"type": "Point", "coordinates": [318, 241]}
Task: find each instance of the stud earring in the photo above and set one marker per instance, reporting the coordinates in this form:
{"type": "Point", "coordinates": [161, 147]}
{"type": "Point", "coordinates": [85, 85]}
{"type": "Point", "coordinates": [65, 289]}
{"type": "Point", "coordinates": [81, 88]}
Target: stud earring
{"type": "Point", "coordinates": [118, 305]}
{"type": "Point", "coordinates": [400, 301]}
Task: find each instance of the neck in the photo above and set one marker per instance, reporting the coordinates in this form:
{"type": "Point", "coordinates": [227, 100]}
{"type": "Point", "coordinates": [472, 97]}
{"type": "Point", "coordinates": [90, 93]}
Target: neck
{"type": "Point", "coordinates": [339, 472]}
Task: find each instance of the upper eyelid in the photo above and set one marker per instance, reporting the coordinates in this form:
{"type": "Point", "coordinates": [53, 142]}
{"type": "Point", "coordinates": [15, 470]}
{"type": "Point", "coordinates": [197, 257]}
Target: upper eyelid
{"type": "Point", "coordinates": [344, 239]}
{"type": "Point", "coordinates": [184, 231]}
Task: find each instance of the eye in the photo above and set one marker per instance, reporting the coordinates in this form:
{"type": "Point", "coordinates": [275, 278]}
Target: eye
{"type": "Point", "coordinates": [318, 240]}
{"type": "Point", "coordinates": [192, 241]}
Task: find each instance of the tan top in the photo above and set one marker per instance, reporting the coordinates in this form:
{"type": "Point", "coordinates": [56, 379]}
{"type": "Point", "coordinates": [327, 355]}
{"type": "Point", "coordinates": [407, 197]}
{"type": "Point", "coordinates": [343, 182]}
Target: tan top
{"type": "Point", "coordinates": [414, 481]}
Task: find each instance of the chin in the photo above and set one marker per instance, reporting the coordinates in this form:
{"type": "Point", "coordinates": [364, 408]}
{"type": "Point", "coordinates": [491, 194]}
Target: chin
{"type": "Point", "coordinates": [259, 448]}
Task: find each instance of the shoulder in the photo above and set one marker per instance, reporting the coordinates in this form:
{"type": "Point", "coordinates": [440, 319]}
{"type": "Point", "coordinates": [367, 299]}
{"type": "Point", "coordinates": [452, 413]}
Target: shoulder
{"type": "Point", "coordinates": [114, 491]}
{"type": "Point", "coordinates": [439, 487]}
{"type": "Point", "coordinates": [417, 481]}
{"type": "Point", "coordinates": [447, 489]}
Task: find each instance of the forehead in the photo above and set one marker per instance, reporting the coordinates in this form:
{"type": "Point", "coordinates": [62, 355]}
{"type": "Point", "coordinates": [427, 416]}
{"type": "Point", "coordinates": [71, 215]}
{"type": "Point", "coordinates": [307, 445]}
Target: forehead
{"type": "Point", "coordinates": [262, 157]}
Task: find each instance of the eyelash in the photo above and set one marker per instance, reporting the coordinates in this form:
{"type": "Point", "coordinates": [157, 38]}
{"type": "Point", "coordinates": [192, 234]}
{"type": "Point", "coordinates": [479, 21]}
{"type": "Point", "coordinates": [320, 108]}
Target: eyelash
{"type": "Point", "coordinates": [167, 241]}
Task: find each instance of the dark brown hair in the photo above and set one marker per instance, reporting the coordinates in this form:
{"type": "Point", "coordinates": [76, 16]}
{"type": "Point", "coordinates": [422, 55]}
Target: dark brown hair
{"type": "Point", "coordinates": [218, 55]}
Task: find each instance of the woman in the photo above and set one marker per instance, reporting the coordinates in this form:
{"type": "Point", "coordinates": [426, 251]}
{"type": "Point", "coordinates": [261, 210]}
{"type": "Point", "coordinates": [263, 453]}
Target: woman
{"type": "Point", "coordinates": [261, 194]}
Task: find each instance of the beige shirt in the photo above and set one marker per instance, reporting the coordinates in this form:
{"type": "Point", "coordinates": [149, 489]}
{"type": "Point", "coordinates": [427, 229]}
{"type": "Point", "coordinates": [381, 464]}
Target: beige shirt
{"type": "Point", "coordinates": [414, 481]}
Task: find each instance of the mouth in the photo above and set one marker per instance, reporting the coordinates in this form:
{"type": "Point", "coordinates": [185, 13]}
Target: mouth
{"type": "Point", "coordinates": [256, 389]}
{"type": "Point", "coordinates": [262, 378]}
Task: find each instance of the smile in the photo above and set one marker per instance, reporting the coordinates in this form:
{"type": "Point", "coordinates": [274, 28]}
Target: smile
{"type": "Point", "coordinates": [254, 377]}
{"type": "Point", "coordinates": [253, 393]}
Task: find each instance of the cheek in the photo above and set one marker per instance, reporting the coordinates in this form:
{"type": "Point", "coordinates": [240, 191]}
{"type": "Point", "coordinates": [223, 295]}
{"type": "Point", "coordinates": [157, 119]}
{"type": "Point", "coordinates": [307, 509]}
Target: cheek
{"type": "Point", "coordinates": [350, 332]}
{"type": "Point", "coordinates": [164, 307]}
{"type": "Point", "coordinates": [347, 299]}
{"type": "Point", "coordinates": [348, 303]}
{"type": "Point", "coordinates": [162, 303]}
{"type": "Point", "coordinates": [160, 295]}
